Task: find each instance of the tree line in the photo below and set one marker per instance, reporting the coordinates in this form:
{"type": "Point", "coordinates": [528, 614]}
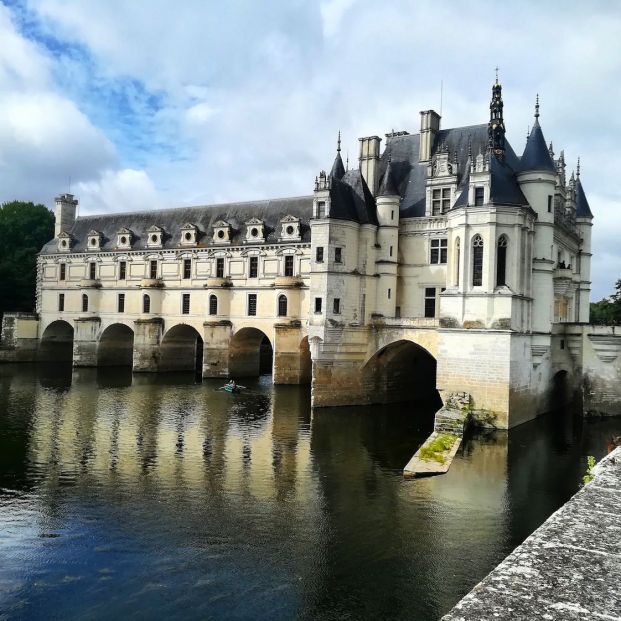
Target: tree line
{"type": "Point", "coordinates": [608, 310]}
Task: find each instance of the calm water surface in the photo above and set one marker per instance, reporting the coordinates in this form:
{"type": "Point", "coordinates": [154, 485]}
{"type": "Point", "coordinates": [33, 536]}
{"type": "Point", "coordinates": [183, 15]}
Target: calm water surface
{"type": "Point", "coordinates": [164, 498]}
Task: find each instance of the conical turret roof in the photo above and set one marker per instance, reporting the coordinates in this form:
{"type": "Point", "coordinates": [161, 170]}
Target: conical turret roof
{"type": "Point", "coordinates": [582, 204]}
{"type": "Point", "coordinates": [536, 154]}
{"type": "Point", "coordinates": [388, 187]}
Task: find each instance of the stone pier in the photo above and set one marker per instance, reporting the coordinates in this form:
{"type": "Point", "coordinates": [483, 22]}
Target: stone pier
{"type": "Point", "coordinates": [217, 339]}
{"type": "Point", "coordinates": [568, 569]}
{"type": "Point", "coordinates": [147, 338]}
{"type": "Point", "coordinates": [85, 341]}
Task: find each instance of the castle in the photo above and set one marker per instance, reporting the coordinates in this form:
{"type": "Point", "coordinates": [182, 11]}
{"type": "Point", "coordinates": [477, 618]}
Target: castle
{"type": "Point", "coordinates": [444, 261]}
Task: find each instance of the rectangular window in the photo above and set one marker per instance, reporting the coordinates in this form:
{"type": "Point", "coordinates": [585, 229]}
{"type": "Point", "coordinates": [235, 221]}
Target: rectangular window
{"type": "Point", "coordinates": [187, 268]}
{"type": "Point", "coordinates": [317, 305]}
{"type": "Point", "coordinates": [185, 304]}
{"type": "Point", "coordinates": [122, 270]}
{"type": "Point", "coordinates": [288, 265]}
{"type": "Point", "coordinates": [389, 293]}
{"type": "Point", "coordinates": [252, 303]}
{"type": "Point", "coordinates": [336, 307]}
{"type": "Point", "coordinates": [63, 271]}
{"type": "Point", "coordinates": [220, 268]}
{"type": "Point", "coordinates": [338, 255]}
{"type": "Point", "coordinates": [321, 209]}
{"type": "Point", "coordinates": [319, 254]}
{"type": "Point", "coordinates": [121, 303]}
{"type": "Point", "coordinates": [92, 270]}
{"type": "Point", "coordinates": [391, 251]}
{"type": "Point", "coordinates": [398, 312]}
{"type": "Point", "coordinates": [84, 303]}
{"type": "Point", "coordinates": [253, 269]}
{"type": "Point", "coordinates": [549, 204]}
{"type": "Point", "coordinates": [61, 302]}
{"type": "Point", "coordinates": [440, 201]}
{"type": "Point", "coordinates": [430, 301]}
{"type": "Point", "coordinates": [479, 195]}
{"type": "Point", "coordinates": [438, 251]}
{"type": "Point", "coordinates": [153, 269]}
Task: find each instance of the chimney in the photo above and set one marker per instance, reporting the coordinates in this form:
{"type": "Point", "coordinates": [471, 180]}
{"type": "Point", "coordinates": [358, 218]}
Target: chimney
{"type": "Point", "coordinates": [429, 127]}
{"type": "Point", "coordinates": [369, 157]}
{"type": "Point", "coordinates": [64, 213]}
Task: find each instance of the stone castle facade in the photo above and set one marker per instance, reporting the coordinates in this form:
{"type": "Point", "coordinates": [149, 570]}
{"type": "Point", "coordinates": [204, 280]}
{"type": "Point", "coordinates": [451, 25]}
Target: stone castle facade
{"type": "Point", "coordinates": [443, 261]}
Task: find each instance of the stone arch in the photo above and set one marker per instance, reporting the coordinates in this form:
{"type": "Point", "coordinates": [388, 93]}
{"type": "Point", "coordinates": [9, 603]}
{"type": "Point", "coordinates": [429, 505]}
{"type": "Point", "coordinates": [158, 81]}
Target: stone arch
{"type": "Point", "coordinates": [306, 362]}
{"type": "Point", "coordinates": [181, 349]}
{"type": "Point", "coordinates": [56, 343]}
{"type": "Point", "coordinates": [115, 347]}
{"type": "Point", "coordinates": [251, 353]}
{"type": "Point", "coordinates": [401, 371]}
{"type": "Point", "coordinates": [559, 395]}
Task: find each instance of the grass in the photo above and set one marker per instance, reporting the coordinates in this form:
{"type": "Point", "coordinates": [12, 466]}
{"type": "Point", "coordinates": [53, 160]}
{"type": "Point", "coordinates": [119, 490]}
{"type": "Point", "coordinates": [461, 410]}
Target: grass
{"type": "Point", "coordinates": [436, 449]}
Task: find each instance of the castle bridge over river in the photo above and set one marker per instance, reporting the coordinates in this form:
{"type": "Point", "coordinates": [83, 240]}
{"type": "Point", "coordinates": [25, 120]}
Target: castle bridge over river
{"type": "Point", "coordinates": [394, 360]}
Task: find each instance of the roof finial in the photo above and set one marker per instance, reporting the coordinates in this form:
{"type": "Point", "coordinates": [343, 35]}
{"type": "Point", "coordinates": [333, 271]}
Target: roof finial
{"type": "Point", "coordinates": [578, 169]}
{"type": "Point", "coordinates": [338, 143]}
{"type": "Point", "coordinates": [496, 74]}
{"type": "Point", "coordinates": [527, 132]}
{"type": "Point", "coordinates": [470, 146]}
{"type": "Point", "coordinates": [537, 107]}
{"type": "Point", "coordinates": [390, 157]}
{"type": "Point", "coordinates": [347, 161]}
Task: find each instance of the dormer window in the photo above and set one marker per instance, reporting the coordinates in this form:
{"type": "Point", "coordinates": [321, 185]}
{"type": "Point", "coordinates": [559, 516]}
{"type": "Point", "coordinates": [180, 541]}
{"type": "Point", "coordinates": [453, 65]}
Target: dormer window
{"type": "Point", "coordinates": [124, 238]}
{"type": "Point", "coordinates": [155, 236]}
{"type": "Point", "coordinates": [290, 229]}
{"type": "Point", "coordinates": [189, 235]}
{"type": "Point", "coordinates": [255, 232]}
{"type": "Point", "coordinates": [221, 232]}
{"type": "Point", "coordinates": [64, 242]}
{"type": "Point", "coordinates": [440, 201]}
{"type": "Point", "coordinates": [479, 195]}
{"type": "Point", "coordinates": [94, 240]}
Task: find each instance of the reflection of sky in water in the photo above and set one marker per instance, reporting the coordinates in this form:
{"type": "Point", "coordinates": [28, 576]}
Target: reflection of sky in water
{"type": "Point", "coordinates": [170, 499]}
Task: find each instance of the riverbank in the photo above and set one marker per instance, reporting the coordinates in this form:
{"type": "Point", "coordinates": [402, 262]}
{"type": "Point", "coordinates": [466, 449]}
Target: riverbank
{"type": "Point", "coordinates": [569, 568]}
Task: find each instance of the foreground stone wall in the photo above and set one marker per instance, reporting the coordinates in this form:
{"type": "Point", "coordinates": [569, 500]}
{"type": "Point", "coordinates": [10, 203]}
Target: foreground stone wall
{"type": "Point", "coordinates": [568, 569]}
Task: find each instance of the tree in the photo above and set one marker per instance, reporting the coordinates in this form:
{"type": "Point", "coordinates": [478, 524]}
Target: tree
{"type": "Point", "coordinates": [24, 228]}
{"type": "Point", "coordinates": [608, 310]}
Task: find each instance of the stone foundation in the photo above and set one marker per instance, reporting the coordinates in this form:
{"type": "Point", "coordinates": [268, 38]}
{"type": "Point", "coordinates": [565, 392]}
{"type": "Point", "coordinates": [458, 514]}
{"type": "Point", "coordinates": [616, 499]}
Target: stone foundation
{"type": "Point", "coordinates": [147, 338]}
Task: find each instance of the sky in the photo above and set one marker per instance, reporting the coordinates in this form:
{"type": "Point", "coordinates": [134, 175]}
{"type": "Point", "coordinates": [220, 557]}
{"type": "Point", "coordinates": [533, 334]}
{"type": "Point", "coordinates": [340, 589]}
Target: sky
{"type": "Point", "coordinates": [152, 103]}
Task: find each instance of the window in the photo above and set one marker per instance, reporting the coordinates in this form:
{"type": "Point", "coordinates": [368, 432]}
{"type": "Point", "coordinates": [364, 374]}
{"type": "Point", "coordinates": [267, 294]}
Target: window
{"type": "Point", "coordinates": [391, 251]}
{"type": "Point", "coordinates": [122, 270]}
{"type": "Point", "coordinates": [501, 261]}
{"type": "Point", "coordinates": [288, 265]}
{"type": "Point", "coordinates": [338, 255]}
{"type": "Point", "coordinates": [84, 303]}
{"type": "Point", "coordinates": [317, 305]}
{"type": "Point", "coordinates": [92, 270]}
{"type": "Point", "coordinates": [398, 312]}
{"type": "Point", "coordinates": [392, 214]}
{"type": "Point", "coordinates": [120, 305]}
{"type": "Point", "coordinates": [220, 268]}
{"type": "Point", "coordinates": [153, 269]}
{"type": "Point", "coordinates": [363, 307]}
{"type": "Point", "coordinates": [213, 305]}
{"type": "Point", "coordinates": [477, 261]}
{"type": "Point", "coordinates": [479, 195]}
{"type": "Point", "coordinates": [282, 305]}
{"type": "Point", "coordinates": [336, 306]}
{"type": "Point", "coordinates": [146, 304]}
{"type": "Point", "coordinates": [321, 209]}
{"type": "Point", "coordinates": [440, 201]}
{"type": "Point", "coordinates": [63, 271]}
{"type": "Point", "coordinates": [185, 304]}
{"type": "Point", "coordinates": [438, 250]}
{"type": "Point", "coordinates": [549, 204]}
{"type": "Point", "coordinates": [319, 254]}
{"type": "Point", "coordinates": [187, 268]}
{"type": "Point", "coordinates": [254, 267]}
{"type": "Point", "coordinates": [252, 303]}
{"type": "Point", "coordinates": [430, 301]}
{"type": "Point", "coordinates": [61, 302]}
{"type": "Point", "coordinates": [457, 261]}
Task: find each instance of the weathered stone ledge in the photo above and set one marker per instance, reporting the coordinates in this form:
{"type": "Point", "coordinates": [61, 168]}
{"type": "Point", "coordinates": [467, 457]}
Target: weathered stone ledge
{"type": "Point", "coordinates": [568, 569]}
{"type": "Point", "coordinates": [437, 461]}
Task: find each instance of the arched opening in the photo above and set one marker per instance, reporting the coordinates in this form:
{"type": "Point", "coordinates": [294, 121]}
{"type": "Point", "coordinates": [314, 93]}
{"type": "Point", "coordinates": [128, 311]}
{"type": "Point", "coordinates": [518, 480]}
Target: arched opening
{"type": "Point", "coordinates": [84, 303]}
{"type": "Point", "coordinates": [57, 343]}
{"type": "Point", "coordinates": [116, 346]}
{"type": "Point", "coordinates": [282, 305]}
{"type": "Point", "coordinates": [501, 261]}
{"type": "Point", "coordinates": [559, 392]}
{"type": "Point", "coordinates": [251, 354]}
{"type": "Point", "coordinates": [477, 261]}
{"type": "Point", "coordinates": [146, 304]}
{"type": "Point", "coordinates": [182, 350]}
{"type": "Point", "coordinates": [306, 362]}
{"type": "Point", "coordinates": [402, 371]}
{"type": "Point", "coordinates": [213, 305]}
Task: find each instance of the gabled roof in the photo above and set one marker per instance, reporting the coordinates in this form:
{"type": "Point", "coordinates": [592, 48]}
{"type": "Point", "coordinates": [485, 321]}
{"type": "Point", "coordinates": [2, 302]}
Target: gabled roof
{"type": "Point", "coordinates": [582, 204]}
{"type": "Point", "coordinates": [536, 154]}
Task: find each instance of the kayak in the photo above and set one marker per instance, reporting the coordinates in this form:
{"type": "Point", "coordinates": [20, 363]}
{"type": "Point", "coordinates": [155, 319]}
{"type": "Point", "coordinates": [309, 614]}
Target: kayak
{"type": "Point", "coordinates": [233, 389]}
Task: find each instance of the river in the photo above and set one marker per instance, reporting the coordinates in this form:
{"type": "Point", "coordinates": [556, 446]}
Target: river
{"type": "Point", "coordinates": [162, 497]}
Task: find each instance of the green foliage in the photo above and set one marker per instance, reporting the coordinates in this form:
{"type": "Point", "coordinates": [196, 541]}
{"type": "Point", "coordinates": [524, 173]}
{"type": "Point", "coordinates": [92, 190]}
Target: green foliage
{"type": "Point", "coordinates": [24, 228]}
{"type": "Point", "coordinates": [436, 449]}
{"type": "Point", "coordinates": [589, 476]}
{"type": "Point", "coordinates": [608, 310]}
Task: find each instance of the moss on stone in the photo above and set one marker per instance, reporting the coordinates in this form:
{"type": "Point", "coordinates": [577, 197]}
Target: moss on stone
{"type": "Point", "coordinates": [438, 447]}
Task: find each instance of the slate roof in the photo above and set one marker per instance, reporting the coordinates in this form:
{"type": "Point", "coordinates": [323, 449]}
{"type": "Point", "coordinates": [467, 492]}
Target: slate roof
{"type": "Point", "coordinates": [388, 187]}
{"type": "Point", "coordinates": [338, 170]}
{"type": "Point", "coordinates": [536, 154]}
{"type": "Point", "coordinates": [204, 217]}
{"type": "Point", "coordinates": [351, 199]}
{"type": "Point", "coordinates": [582, 204]}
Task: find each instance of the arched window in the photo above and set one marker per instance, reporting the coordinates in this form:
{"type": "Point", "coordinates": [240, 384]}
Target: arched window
{"type": "Point", "coordinates": [501, 261]}
{"type": "Point", "coordinates": [146, 304]}
{"type": "Point", "coordinates": [457, 260]}
{"type": "Point", "coordinates": [282, 305]}
{"type": "Point", "coordinates": [213, 305]}
{"type": "Point", "coordinates": [84, 303]}
{"type": "Point", "coordinates": [477, 261]}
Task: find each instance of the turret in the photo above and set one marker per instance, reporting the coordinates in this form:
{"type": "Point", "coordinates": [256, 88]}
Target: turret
{"type": "Point", "coordinates": [64, 213]}
{"type": "Point", "coordinates": [584, 222]}
{"type": "Point", "coordinates": [338, 170]}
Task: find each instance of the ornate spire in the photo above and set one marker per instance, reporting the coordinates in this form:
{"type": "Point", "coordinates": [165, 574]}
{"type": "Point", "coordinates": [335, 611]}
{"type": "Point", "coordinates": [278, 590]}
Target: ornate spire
{"type": "Point", "coordinates": [551, 150]}
{"type": "Point", "coordinates": [338, 170]}
{"type": "Point", "coordinates": [537, 110]}
{"type": "Point", "coordinates": [470, 146]}
{"type": "Point", "coordinates": [496, 126]}
{"type": "Point", "coordinates": [338, 143]}
{"type": "Point", "coordinates": [578, 169]}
